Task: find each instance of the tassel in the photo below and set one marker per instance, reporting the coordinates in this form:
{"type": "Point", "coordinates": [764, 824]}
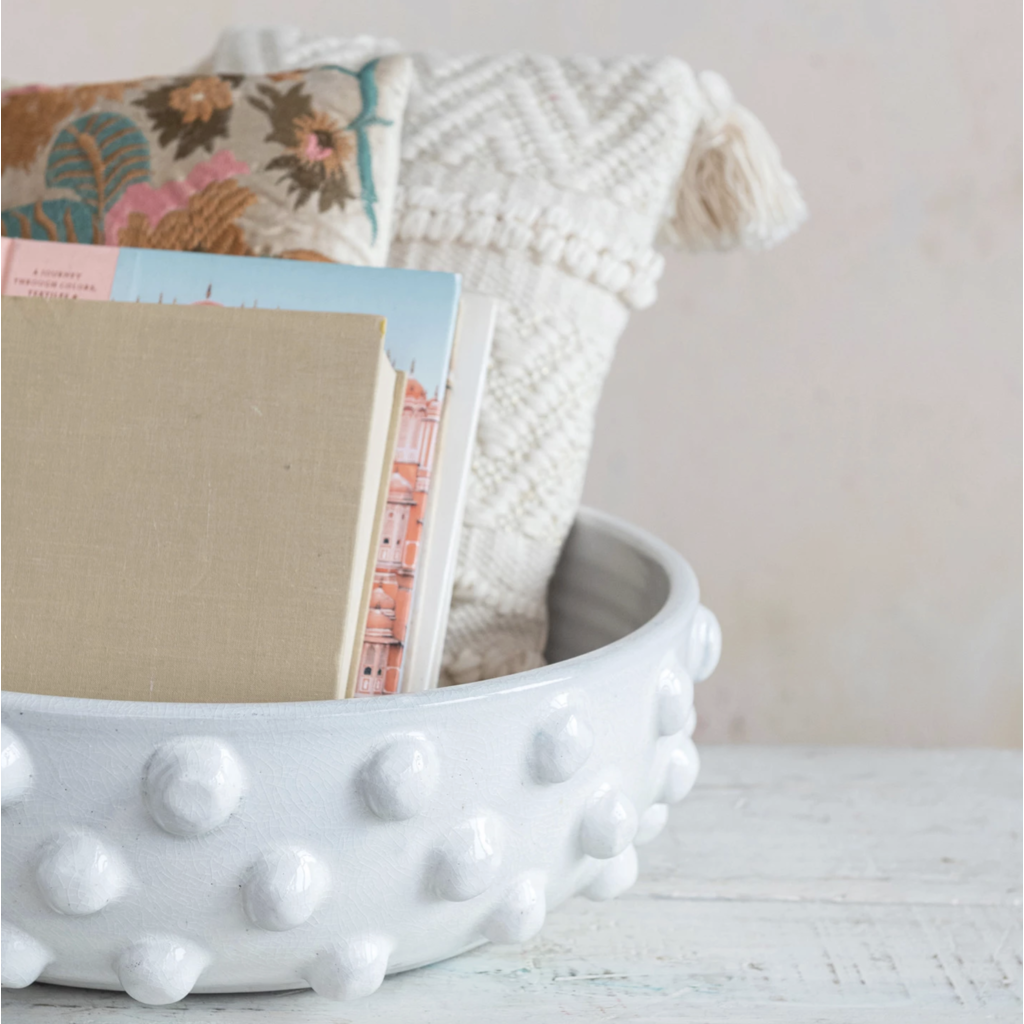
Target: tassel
{"type": "Point", "coordinates": [733, 189]}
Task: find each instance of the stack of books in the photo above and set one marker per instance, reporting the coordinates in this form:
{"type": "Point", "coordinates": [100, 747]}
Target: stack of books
{"type": "Point", "coordinates": [231, 478]}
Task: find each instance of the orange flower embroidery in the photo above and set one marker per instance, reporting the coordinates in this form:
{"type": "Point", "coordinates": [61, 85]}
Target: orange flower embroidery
{"type": "Point", "coordinates": [316, 147]}
{"type": "Point", "coordinates": [200, 98]}
{"type": "Point", "coordinates": [192, 112]}
{"type": "Point", "coordinates": [319, 140]}
{"type": "Point", "coordinates": [205, 224]}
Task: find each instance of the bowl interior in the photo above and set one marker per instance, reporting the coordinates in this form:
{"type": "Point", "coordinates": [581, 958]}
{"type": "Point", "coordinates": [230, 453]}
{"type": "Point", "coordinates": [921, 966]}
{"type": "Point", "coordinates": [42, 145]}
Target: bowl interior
{"type": "Point", "coordinates": [603, 589]}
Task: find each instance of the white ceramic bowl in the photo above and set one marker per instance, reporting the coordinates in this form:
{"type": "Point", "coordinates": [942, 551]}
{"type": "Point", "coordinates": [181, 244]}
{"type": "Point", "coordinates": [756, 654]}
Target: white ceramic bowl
{"type": "Point", "coordinates": [169, 848]}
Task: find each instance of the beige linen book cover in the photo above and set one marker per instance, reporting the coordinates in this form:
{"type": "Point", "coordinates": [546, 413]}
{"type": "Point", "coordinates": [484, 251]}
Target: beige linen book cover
{"type": "Point", "coordinates": [188, 498]}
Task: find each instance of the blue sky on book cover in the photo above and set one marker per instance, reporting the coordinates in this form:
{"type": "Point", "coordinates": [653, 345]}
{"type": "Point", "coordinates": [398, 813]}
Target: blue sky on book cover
{"type": "Point", "coordinates": [420, 306]}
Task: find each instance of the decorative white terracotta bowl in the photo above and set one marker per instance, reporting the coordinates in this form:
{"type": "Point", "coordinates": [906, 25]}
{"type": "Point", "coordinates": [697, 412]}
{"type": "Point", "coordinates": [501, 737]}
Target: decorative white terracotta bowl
{"type": "Point", "coordinates": [173, 848]}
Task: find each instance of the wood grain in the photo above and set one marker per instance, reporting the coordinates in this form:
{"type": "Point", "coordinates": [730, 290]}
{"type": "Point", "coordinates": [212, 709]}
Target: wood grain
{"type": "Point", "coordinates": [793, 884]}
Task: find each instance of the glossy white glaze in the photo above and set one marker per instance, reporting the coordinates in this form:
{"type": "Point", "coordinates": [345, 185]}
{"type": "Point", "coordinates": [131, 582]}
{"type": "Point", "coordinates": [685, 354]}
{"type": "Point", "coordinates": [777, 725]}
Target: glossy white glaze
{"type": "Point", "coordinates": [609, 823]}
{"type": "Point", "coordinates": [160, 968]}
{"type": "Point", "coordinates": [564, 739]}
{"type": "Point", "coordinates": [617, 875]}
{"type": "Point", "coordinates": [675, 699]}
{"type": "Point", "coordinates": [15, 768]}
{"type": "Point", "coordinates": [284, 887]}
{"type": "Point", "coordinates": [77, 874]}
{"type": "Point", "coordinates": [349, 970]}
{"type": "Point", "coordinates": [652, 821]}
{"type": "Point", "coordinates": [680, 772]}
{"type": "Point", "coordinates": [521, 912]}
{"type": "Point", "coordinates": [168, 848]}
{"type": "Point", "coordinates": [399, 779]}
{"type": "Point", "coordinates": [22, 959]}
{"type": "Point", "coordinates": [193, 784]}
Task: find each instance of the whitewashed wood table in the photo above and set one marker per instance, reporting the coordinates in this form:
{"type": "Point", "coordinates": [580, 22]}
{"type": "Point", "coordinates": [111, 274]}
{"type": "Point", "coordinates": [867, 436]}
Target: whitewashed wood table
{"type": "Point", "coordinates": [793, 884]}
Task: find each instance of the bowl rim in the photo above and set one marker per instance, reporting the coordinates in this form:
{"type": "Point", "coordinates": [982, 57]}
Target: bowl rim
{"type": "Point", "coordinates": [680, 603]}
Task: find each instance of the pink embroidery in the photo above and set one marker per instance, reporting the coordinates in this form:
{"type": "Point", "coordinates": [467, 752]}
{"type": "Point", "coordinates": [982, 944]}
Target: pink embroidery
{"type": "Point", "coordinates": [315, 151]}
{"type": "Point", "coordinates": [155, 203]}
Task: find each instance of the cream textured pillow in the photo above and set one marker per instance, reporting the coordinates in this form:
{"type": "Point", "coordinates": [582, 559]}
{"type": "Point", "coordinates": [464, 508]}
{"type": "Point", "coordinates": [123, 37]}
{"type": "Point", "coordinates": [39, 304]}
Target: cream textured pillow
{"type": "Point", "coordinates": [544, 182]}
{"type": "Point", "coordinates": [301, 164]}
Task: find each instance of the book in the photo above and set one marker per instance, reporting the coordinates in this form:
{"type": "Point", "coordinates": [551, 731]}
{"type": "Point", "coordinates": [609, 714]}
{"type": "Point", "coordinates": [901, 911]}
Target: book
{"type": "Point", "coordinates": [447, 503]}
{"type": "Point", "coordinates": [398, 401]}
{"type": "Point", "coordinates": [420, 308]}
{"type": "Point", "coordinates": [189, 496]}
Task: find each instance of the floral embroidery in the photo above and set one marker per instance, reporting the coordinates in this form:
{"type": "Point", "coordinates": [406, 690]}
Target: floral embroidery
{"type": "Point", "coordinates": [30, 117]}
{"type": "Point", "coordinates": [367, 117]}
{"type": "Point", "coordinates": [96, 157]}
{"type": "Point", "coordinates": [320, 141]}
{"type": "Point", "coordinates": [55, 220]}
{"type": "Point", "coordinates": [206, 224]}
{"type": "Point", "coordinates": [197, 214]}
{"type": "Point", "coordinates": [145, 163]}
{"type": "Point", "coordinates": [200, 98]}
{"type": "Point", "coordinates": [317, 147]}
{"type": "Point", "coordinates": [191, 111]}
{"type": "Point", "coordinates": [309, 255]}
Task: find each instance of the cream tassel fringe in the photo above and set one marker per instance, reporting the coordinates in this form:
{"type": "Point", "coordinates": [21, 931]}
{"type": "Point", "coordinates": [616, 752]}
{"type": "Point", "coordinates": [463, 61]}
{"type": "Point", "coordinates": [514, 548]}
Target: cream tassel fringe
{"type": "Point", "coordinates": [734, 189]}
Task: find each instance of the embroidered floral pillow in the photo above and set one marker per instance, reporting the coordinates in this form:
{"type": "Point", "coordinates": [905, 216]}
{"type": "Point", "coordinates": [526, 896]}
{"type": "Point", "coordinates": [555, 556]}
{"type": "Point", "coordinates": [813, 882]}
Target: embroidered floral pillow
{"type": "Point", "coordinates": [301, 164]}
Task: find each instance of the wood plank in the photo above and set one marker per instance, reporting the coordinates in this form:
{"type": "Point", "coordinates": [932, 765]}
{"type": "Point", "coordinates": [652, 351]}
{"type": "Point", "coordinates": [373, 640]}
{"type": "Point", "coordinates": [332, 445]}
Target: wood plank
{"type": "Point", "coordinates": [844, 824]}
{"type": "Point", "coordinates": [792, 885]}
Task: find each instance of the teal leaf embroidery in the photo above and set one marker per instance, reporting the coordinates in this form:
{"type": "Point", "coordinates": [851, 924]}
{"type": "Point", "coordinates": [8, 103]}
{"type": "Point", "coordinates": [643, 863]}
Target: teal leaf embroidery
{"type": "Point", "coordinates": [366, 117]}
{"type": "Point", "coordinates": [98, 157]}
{"type": "Point", "coordinates": [55, 220]}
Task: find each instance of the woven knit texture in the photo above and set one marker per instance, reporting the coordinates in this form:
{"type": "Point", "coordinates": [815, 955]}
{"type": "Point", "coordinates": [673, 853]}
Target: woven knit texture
{"type": "Point", "coordinates": [544, 182]}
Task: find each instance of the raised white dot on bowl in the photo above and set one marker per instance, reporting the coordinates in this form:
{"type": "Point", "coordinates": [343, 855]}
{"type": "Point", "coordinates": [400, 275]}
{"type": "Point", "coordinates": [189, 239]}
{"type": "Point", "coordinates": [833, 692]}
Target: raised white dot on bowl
{"type": "Point", "coordinates": [193, 784]}
{"type": "Point", "coordinates": [22, 958]}
{"type": "Point", "coordinates": [160, 969]}
{"type": "Point", "coordinates": [520, 914]}
{"type": "Point", "coordinates": [609, 823]}
{"type": "Point", "coordinates": [77, 874]}
{"type": "Point", "coordinates": [680, 772]}
{"type": "Point", "coordinates": [349, 970]}
{"type": "Point", "coordinates": [704, 645]}
{"type": "Point", "coordinates": [399, 780]}
{"type": "Point", "coordinates": [615, 877]}
{"type": "Point", "coordinates": [652, 821]}
{"type": "Point", "coordinates": [675, 700]}
{"type": "Point", "coordinates": [468, 860]}
{"type": "Point", "coordinates": [15, 767]}
{"type": "Point", "coordinates": [283, 888]}
{"type": "Point", "coordinates": [564, 740]}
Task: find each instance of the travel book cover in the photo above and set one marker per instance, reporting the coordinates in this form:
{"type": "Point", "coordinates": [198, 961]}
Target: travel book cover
{"type": "Point", "coordinates": [449, 490]}
{"type": "Point", "coordinates": [420, 308]}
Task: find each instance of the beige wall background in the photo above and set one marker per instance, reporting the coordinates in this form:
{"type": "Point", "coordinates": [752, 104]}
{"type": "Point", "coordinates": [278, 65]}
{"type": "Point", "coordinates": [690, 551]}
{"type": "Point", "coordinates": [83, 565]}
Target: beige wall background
{"type": "Point", "coordinates": [831, 432]}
